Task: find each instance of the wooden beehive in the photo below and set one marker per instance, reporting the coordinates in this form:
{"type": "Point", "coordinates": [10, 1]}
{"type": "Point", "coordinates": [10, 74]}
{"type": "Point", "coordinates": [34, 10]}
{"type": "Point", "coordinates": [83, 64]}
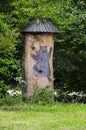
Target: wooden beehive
{"type": "Point", "coordinates": [38, 57]}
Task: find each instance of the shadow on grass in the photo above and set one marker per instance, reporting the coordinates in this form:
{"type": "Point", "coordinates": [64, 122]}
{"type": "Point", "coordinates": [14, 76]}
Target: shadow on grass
{"type": "Point", "coordinates": [11, 108]}
{"type": "Point", "coordinates": [55, 107]}
{"type": "Point", "coordinates": [28, 107]}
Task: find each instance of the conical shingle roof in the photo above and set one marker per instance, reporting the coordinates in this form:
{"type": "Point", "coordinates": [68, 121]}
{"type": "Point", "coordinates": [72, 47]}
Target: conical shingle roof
{"type": "Point", "coordinates": [40, 26]}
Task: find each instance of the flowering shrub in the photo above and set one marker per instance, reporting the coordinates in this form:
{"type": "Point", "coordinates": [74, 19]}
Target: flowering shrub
{"type": "Point", "coordinates": [11, 92]}
{"type": "Point", "coordinates": [74, 97]}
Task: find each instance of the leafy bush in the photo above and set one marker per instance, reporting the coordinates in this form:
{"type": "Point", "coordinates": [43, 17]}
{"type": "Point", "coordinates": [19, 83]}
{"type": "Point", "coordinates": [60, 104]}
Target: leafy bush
{"type": "Point", "coordinates": [67, 97]}
{"type": "Point", "coordinates": [11, 100]}
{"type": "Point", "coordinates": [41, 96]}
{"type": "Point", "coordinates": [2, 101]}
{"type": "Point", "coordinates": [3, 89]}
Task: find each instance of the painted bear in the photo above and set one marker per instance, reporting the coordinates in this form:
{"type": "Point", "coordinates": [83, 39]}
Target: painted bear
{"type": "Point", "coordinates": [42, 67]}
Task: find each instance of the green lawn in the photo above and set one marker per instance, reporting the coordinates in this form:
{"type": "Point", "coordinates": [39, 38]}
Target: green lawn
{"type": "Point", "coordinates": [50, 117]}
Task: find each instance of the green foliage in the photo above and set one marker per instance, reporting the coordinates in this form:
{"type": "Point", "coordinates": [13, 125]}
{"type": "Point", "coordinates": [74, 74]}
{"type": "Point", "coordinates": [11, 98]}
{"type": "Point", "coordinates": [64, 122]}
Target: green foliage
{"type": "Point", "coordinates": [41, 96]}
{"type": "Point", "coordinates": [69, 54]}
{"type": "Point", "coordinates": [70, 69]}
{"type": "Point", "coordinates": [9, 65]}
{"type": "Point", "coordinates": [66, 97]}
{"type": "Point", "coordinates": [25, 10]}
{"type": "Point", "coordinates": [5, 6]}
{"type": "Point", "coordinates": [11, 100]}
{"type": "Point", "coordinates": [3, 89]}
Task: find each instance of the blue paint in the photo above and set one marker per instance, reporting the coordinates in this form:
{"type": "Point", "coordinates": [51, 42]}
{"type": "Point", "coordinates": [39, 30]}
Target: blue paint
{"type": "Point", "coordinates": [42, 67]}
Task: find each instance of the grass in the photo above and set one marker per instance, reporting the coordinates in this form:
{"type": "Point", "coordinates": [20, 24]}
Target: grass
{"type": "Point", "coordinates": [50, 117]}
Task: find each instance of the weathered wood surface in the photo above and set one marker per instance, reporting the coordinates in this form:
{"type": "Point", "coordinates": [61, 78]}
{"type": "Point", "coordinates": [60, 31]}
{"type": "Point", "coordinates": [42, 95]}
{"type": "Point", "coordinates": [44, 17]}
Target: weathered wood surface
{"type": "Point", "coordinates": [38, 63]}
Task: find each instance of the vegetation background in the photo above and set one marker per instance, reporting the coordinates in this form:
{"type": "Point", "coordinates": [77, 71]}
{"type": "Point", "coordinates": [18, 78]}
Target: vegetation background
{"type": "Point", "coordinates": [70, 45]}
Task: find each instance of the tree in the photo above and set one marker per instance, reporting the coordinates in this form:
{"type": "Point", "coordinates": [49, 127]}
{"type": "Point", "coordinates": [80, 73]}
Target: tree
{"type": "Point", "coordinates": [69, 55]}
{"type": "Point", "coordinates": [70, 70]}
{"type": "Point", "coordinates": [9, 65]}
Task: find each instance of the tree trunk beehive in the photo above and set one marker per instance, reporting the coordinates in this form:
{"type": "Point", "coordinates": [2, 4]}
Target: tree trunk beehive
{"type": "Point", "coordinates": [38, 57]}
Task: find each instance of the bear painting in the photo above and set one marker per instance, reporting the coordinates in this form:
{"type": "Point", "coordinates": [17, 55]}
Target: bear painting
{"type": "Point", "coordinates": [42, 66]}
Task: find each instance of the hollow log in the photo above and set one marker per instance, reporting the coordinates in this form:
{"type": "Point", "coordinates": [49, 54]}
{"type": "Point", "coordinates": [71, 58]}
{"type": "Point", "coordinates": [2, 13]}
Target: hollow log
{"type": "Point", "coordinates": [38, 61]}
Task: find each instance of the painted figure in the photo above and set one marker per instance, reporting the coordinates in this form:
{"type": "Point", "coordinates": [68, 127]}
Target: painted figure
{"type": "Point", "coordinates": [42, 67]}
